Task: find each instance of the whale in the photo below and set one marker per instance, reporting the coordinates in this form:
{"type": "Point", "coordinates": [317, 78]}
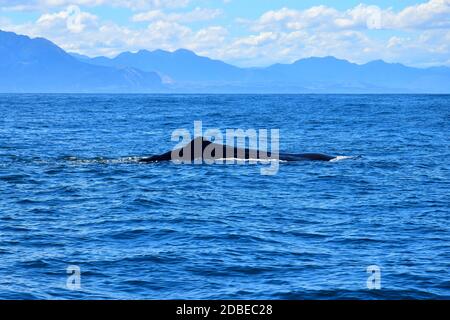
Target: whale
{"type": "Point", "coordinates": [200, 149]}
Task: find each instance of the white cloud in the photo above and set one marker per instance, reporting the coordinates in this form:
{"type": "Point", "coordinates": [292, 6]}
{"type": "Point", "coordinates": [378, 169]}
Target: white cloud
{"type": "Point", "coordinates": [429, 15]}
{"type": "Point", "coordinates": [431, 47]}
{"type": "Point", "coordinates": [80, 31]}
{"type": "Point", "coordinates": [266, 47]}
{"type": "Point", "coordinates": [432, 14]}
{"type": "Point", "coordinates": [198, 14]}
{"type": "Point", "coordinates": [257, 40]}
{"type": "Point", "coordinates": [148, 4]}
{"type": "Point", "coordinates": [19, 5]}
{"type": "Point", "coordinates": [72, 18]}
{"type": "Point", "coordinates": [287, 34]}
{"type": "Point", "coordinates": [210, 41]}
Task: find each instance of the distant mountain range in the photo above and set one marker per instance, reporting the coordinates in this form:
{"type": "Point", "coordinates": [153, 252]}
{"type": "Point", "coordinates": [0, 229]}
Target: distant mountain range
{"type": "Point", "coordinates": [38, 65]}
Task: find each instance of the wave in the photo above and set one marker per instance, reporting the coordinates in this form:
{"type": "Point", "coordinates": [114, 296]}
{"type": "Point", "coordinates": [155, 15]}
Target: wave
{"type": "Point", "coordinates": [340, 158]}
{"type": "Point", "coordinates": [102, 160]}
{"type": "Point", "coordinates": [251, 160]}
{"type": "Point", "coordinates": [138, 159]}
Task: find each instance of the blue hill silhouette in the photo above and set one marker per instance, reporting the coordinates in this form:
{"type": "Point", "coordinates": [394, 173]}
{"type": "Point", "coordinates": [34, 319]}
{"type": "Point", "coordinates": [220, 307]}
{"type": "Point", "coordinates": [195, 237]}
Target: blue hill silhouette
{"type": "Point", "coordinates": [333, 74]}
{"type": "Point", "coordinates": [181, 65]}
{"type": "Point", "coordinates": [38, 65]}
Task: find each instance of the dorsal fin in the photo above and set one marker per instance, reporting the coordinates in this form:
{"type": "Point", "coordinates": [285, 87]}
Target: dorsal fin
{"type": "Point", "coordinates": [201, 140]}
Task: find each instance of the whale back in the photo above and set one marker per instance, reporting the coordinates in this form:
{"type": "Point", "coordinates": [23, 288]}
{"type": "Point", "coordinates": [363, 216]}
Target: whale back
{"type": "Point", "coordinates": [201, 148]}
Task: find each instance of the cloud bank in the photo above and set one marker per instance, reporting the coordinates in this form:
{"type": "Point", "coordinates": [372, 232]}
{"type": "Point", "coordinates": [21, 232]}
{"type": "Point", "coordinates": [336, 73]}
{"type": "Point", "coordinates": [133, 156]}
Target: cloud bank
{"type": "Point", "coordinates": [417, 35]}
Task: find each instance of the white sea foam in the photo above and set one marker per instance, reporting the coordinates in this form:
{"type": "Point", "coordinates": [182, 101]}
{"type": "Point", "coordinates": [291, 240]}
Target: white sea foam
{"type": "Point", "coordinates": [339, 158]}
{"type": "Point", "coordinates": [101, 160]}
{"type": "Point", "coordinates": [248, 160]}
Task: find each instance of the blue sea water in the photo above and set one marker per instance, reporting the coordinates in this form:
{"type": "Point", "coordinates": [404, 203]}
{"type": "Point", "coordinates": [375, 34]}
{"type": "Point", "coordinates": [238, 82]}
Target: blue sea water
{"type": "Point", "coordinates": [71, 194]}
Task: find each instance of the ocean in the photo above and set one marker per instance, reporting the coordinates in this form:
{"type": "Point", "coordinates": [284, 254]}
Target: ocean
{"type": "Point", "coordinates": [81, 218]}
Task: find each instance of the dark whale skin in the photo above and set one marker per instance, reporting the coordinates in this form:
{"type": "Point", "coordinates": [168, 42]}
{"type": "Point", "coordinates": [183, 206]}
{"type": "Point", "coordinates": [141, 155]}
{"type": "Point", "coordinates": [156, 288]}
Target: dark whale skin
{"type": "Point", "coordinates": [238, 153]}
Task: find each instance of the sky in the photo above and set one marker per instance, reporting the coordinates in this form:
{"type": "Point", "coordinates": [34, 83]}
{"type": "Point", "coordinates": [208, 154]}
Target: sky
{"type": "Point", "coordinates": [243, 32]}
